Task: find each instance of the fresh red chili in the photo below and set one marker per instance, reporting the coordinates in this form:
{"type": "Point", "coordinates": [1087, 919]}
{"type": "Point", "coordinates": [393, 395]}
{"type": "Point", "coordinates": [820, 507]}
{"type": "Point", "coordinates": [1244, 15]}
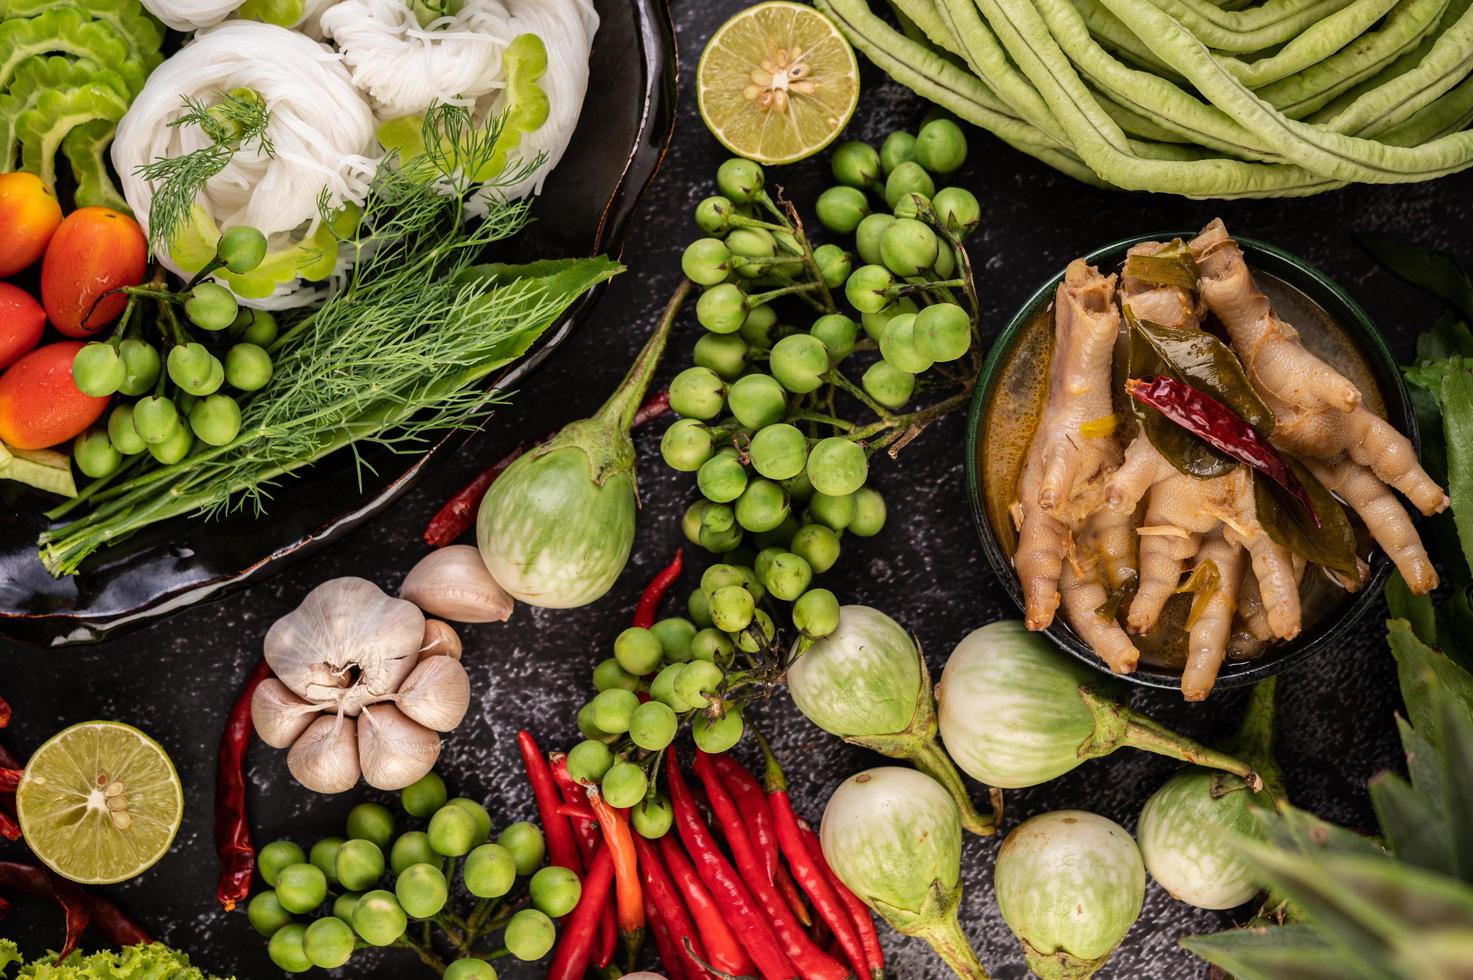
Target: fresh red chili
{"type": "Point", "coordinates": [831, 909]}
{"type": "Point", "coordinates": [561, 848]}
{"type": "Point", "coordinates": [28, 879]}
{"type": "Point", "coordinates": [459, 513]}
{"type": "Point", "coordinates": [628, 894]}
{"type": "Point", "coordinates": [739, 908]}
{"type": "Point", "coordinates": [1220, 427]}
{"type": "Point", "coordinates": [589, 840]}
{"type": "Point", "coordinates": [787, 890]}
{"type": "Point", "coordinates": [649, 602]}
{"type": "Point", "coordinates": [232, 823]}
{"type": "Point", "coordinates": [811, 961]}
{"type": "Point", "coordinates": [575, 951]}
{"type": "Point", "coordinates": [660, 892]}
{"type": "Point", "coordinates": [575, 811]}
{"type": "Point", "coordinates": [755, 811]}
{"type": "Point", "coordinates": [723, 950]}
{"type": "Point", "coordinates": [864, 920]}
{"type": "Point", "coordinates": [664, 942]}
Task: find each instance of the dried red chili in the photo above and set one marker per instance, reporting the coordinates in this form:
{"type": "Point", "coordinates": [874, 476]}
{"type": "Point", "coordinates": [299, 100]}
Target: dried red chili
{"type": "Point", "coordinates": [29, 879]}
{"type": "Point", "coordinates": [459, 513]}
{"type": "Point", "coordinates": [4, 713]}
{"type": "Point", "coordinates": [1220, 427]}
{"type": "Point", "coordinates": [233, 844]}
{"type": "Point", "coordinates": [649, 602]}
{"type": "Point", "coordinates": [10, 779]}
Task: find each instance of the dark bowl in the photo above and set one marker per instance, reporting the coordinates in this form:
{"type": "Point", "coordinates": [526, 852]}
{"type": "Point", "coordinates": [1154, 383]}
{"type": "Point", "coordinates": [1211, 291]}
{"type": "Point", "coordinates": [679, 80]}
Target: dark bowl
{"type": "Point", "coordinates": [1335, 627]}
{"type": "Point", "coordinates": [622, 134]}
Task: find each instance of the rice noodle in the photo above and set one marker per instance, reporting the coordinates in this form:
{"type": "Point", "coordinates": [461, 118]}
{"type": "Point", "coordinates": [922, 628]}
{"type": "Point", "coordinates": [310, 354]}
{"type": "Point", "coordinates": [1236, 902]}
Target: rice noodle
{"type": "Point", "coordinates": [321, 128]}
{"type": "Point", "coordinates": [405, 68]}
{"type": "Point", "coordinates": [192, 15]}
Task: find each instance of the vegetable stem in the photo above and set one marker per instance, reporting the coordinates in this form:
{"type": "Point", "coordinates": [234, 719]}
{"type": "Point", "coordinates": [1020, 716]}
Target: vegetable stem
{"type": "Point", "coordinates": [932, 760]}
{"type": "Point", "coordinates": [946, 938]}
{"type": "Point", "coordinates": [624, 403]}
{"type": "Point", "coordinates": [1116, 726]}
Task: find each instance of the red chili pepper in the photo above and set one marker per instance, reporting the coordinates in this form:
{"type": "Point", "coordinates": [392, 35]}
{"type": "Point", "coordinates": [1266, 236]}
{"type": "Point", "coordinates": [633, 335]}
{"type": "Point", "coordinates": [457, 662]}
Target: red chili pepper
{"type": "Point", "coordinates": [31, 880]}
{"type": "Point", "coordinates": [459, 513]}
{"type": "Point", "coordinates": [739, 908]}
{"type": "Point", "coordinates": [575, 811]}
{"type": "Point", "coordinates": [5, 705]}
{"type": "Point", "coordinates": [232, 823]}
{"type": "Point", "coordinates": [9, 829]}
{"type": "Point", "coordinates": [590, 841]}
{"type": "Point", "coordinates": [864, 920]}
{"type": "Point", "coordinates": [664, 941]}
{"type": "Point", "coordinates": [575, 951]}
{"type": "Point", "coordinates": [628, 895]}
{"type": "Point", "coordinates": [755, 811]}
{"type": "Point", "coordinates": [723, 950]}
{"type": "Point", "coordinates": [10, 779]}
{"type": "Point", "coordinates": [649, 602]}
{"type": "Point", "coordinates": [787, 890]}
{"type": "Point", "coordinates": [813, 962]}
{"type": "Point", "coordinates": [660, 892]}
{"type": "Point", "coordinates": [561, 848]}
{"type": "Point", "coordinates": [1220, 427]}
{"type": "Point", "coordinates": [35, 882]}
{"type": "Point", "coordinates": [831, 908]}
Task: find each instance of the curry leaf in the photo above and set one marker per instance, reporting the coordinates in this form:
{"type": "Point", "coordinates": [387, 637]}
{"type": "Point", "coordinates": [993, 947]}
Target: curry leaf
{"type": "Point", "coordinates": [1199, 359]}
{"type": "Point", "coordinates": [1437, 272]}
{"type": "Point", "coordinates": [1332, 544]}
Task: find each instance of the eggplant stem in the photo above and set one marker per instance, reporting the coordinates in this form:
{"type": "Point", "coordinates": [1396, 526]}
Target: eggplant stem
{"type": "Point", "coordinates": [626, 399]}
{"type": "Point", "coordinates": [1117, 726]}
{"type": "Point", "coordinates": [932, 760]}
{"type": "Point", "coordinates": [946, 938]}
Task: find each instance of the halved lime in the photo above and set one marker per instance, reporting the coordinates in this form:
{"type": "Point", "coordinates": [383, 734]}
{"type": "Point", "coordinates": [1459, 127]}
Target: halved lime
{"type": "Point", "coordinates": [777, 82]}
{"type": "Point", "coordinates": [100, 802]}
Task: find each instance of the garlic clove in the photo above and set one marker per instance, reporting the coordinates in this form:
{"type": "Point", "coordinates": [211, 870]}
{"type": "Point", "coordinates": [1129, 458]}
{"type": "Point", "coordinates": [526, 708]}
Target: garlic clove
{"type": "Point", "coordinates": [440, 640]}
{"type": "Point", "coordinates": [279, 715]}
{"type": "Point", "coordinates": [325, 757]}
{"type": "Point", "coordinates": [347, 644]}
{"type": "Point", "coordinates": [436, 695]}
{"type": "Point", "coordinates": [394, 751]}
{"type": "Point", "coordinates": [453, 583]}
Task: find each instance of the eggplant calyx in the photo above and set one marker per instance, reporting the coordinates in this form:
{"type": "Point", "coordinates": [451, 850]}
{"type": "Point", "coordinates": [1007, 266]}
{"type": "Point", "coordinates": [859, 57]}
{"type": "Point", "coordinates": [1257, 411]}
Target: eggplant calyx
{"type": "Point", "coordinates": [1061, 965]}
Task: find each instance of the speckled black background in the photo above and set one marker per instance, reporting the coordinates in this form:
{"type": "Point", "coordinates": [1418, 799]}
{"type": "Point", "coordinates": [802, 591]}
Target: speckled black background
{"type": "Point", "coordinates": [177, 679]}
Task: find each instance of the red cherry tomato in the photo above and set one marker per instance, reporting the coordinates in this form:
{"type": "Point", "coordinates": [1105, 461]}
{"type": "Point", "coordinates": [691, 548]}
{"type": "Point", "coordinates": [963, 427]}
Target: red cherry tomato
{"type": "Point", "coordinates": [29, 216]}
{"type": "Point", "coordinates": [95, 250]}
{"type": "Point", "coordinates": [40, 405]}
{"type": "Point", "coordinates": [21, 323]}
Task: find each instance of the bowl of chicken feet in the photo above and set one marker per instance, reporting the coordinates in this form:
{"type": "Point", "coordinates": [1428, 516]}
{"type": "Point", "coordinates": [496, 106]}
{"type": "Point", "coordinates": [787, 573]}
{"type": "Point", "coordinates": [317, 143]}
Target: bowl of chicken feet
{"type": "Point", "coordinates": [1193, 462]}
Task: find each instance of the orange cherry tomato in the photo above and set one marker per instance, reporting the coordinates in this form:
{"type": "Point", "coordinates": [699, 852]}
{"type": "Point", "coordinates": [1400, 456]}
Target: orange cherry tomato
{"type": "Point", "coordinates": [21, 323]}
{"type": "Point", "coordinates": [40, 405]}
{"type": "Point", "coordinates": [94, 251]}
{"type": "Point", "coordinates": [29, 216]}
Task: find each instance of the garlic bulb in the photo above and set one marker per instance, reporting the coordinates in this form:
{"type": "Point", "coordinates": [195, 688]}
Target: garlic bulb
{"type": "Point", "coordinates": [453, 583]}
{"type": "Point", "coordinates": [279, 715]}
{"type": "Point", "coordinates": [440, 640]}
{"type": "Point", "coordinates": [348, 644]}
{"type": "Point", "coordinates": [436, 694]}
{"type": "Point", "coordinates": [393, 750]}
{"type": "Point", "coordinates": [324, 758]}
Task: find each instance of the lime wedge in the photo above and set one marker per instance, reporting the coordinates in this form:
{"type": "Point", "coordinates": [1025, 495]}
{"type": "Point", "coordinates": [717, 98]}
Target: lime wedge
{"type": "Point", "coordinates": [100, 802]}
{"type": "Point", "coordinates": [777, 82]}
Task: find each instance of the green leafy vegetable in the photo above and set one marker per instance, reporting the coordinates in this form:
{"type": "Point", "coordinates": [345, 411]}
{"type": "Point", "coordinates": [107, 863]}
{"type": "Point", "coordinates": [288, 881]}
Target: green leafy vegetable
{"type": "Point", "coordinates": [1457, 425]}
{"type": "Point", "coordinates": [1440, 274]}
{"type": "Point", "coordinates": [152, 962]}
{"type": "Point", "coordinates": [1332, 544]}
{"type": "Point", "coordinates": [1199, 359]}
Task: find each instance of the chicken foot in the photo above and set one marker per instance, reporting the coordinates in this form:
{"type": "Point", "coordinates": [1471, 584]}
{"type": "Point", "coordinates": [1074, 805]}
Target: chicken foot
{"type": "Point", "coordinates": [1211, 624]}
{"type": "Point", "coordinates": [1062, 464]}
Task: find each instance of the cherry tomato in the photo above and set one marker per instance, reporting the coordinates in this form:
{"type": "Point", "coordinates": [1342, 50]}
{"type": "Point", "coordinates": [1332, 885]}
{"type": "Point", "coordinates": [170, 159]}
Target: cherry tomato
{"type": "Point", "coordinates": [40, 405]}
{"type": "Point", "coordinates": [94, 251]}
{"type": "Point", "coordinates": [21, 323]}
{"type": "Point", "coordinates": [29, 216]}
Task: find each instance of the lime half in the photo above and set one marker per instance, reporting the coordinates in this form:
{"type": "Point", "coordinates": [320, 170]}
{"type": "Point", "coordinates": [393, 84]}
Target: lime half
{"type": "Point", "coordinates": [777, 82]}
{"type": "Point", "coordinates": [100, 802]}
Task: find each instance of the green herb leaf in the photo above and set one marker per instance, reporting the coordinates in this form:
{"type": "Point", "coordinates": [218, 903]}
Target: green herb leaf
{"type": "Point", "coordinates": [1437, 272]}
{"type": "Point", "coordinates": [1457, 781]}
{"type": "Point", "coordinates": [1457, 427]}
{"type": "Point", "coordinates": [1424, 673]}
{"type": "Point", "coordinates": [1412, 824]}
{"type": "Point", "coordinates": [1259, 953]}
{"type": "Point", "coordinates": [1199, 359]}
{"type": "Point", "coordinates": [1332, 544]}
{"type": "Point", "coordinates": [1172, 265]}
{"type": "Point", "coordinates": [1415, 609]}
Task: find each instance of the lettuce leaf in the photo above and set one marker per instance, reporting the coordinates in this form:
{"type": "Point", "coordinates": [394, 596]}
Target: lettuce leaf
{"type": "Point", "coordinates": [152, 962]}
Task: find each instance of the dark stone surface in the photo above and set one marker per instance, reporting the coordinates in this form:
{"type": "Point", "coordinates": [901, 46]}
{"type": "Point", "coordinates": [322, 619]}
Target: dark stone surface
{"type": "Point", "coordinates": [178, 679]}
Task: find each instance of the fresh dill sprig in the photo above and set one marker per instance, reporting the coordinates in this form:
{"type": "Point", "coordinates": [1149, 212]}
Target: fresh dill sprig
{"type": "Point", "coordinates": [235, 121]}
{"type": "Point", "coordinates": [396, 353]}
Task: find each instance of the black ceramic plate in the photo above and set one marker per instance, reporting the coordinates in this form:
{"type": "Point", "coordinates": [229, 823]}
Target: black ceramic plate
{"type": "Point", "coordinates": [1319, 289]}
{"type": "Point", "coordinates": [622, 134]}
